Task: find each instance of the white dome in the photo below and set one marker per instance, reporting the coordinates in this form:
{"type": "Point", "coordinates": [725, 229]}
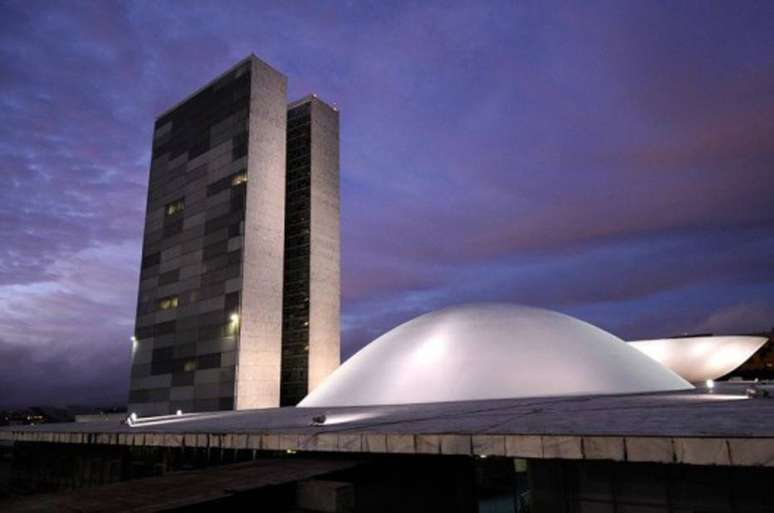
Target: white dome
{"type": "Point", "coordinates": [698, 359]}
{"type": "Point", "coordinates": [490, 351]}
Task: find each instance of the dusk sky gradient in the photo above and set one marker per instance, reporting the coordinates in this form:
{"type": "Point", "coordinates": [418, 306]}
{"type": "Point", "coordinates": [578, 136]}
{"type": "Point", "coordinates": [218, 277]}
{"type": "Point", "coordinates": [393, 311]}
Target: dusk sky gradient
{"type": "Point", "coordinates": [610, 160]}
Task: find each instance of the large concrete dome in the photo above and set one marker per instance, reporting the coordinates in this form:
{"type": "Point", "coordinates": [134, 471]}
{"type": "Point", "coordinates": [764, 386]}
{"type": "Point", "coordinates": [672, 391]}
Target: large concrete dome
{"type": "Point", "coordinates": [491, 351]}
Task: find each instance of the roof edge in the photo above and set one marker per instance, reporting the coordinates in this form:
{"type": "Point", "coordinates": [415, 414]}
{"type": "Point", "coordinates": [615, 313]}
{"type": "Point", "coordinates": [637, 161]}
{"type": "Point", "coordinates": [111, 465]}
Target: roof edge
{"type": "Point", "coordinates": [309, 98]}
{"type": "Point", "coordinates": [250, 58]}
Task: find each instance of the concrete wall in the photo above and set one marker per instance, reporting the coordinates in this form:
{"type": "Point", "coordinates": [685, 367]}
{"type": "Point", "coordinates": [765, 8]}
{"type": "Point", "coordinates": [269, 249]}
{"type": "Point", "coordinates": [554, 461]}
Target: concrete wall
{"type": "Point", "coordinates": [260, 334]}
{"type": "Point", "coordinates": [325, 259]}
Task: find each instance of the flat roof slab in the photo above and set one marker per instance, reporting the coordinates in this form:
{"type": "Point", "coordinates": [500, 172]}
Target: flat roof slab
{"type": "Point", "coordinates": [697, 427]}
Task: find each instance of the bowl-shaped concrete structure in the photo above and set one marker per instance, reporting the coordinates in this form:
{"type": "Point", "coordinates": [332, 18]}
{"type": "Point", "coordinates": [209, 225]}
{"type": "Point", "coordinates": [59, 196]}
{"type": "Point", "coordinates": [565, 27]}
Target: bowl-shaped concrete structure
{"type": "Point", "coordinates": [698, 359]}
{"type": "Point", "coordinates": [491, 351]}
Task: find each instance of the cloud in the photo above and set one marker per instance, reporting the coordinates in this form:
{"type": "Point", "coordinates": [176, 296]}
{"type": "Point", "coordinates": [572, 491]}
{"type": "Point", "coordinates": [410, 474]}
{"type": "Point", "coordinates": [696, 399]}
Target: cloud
{"type": "Point", "coordinates": [52, 377]}
{"type": "Point", "coordinates": [739, 318]}
{"type": "Point", "coordinates": [66, 340]}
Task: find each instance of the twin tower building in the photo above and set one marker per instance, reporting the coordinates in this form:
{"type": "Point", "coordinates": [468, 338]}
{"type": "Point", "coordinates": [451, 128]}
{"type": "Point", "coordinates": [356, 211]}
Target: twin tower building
{"type": "Point", "coordinates": [239, 298]}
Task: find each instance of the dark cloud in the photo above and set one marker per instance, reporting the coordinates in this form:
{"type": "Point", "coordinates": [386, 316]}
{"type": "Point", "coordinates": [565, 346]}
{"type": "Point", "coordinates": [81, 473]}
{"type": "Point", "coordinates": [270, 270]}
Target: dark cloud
{"type": "Point", "coordinates": [54, 377]}
{"type": "Point", "coordinates": [610, 160]}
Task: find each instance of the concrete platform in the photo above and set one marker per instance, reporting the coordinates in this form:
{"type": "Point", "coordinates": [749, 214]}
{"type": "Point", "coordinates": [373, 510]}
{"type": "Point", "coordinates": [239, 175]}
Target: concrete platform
{"type": "Point", "coordinates": [697, 427]}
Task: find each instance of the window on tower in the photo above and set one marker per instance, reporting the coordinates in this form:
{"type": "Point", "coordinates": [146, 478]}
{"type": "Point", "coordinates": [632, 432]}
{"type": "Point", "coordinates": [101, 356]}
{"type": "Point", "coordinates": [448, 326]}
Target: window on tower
{"type": "Point", "coordinates": [175, 207]}
{"type": "Point", "coordinates": [168, 303]}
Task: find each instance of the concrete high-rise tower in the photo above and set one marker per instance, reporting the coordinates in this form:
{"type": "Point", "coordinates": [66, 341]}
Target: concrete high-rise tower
{"type": "Point", "coordinates": [209, 328]}
{"type": "Point", "coordinates": [310, 330]}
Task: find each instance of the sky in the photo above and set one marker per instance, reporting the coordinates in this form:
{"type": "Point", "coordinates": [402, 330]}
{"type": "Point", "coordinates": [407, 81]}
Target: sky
{"type": "Point", "coordinates": [610, 160]}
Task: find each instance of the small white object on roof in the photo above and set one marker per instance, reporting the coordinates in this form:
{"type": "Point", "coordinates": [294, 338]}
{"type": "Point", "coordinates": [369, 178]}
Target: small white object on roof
{"type": "Point", "coordinates": [491, 351]}
{"type": "Point", "coordinates": [699, 359]}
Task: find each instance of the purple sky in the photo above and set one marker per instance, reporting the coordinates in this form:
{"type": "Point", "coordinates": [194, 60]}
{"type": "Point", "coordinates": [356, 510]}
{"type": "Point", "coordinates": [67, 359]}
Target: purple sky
{"type": "Point", "coordinates": [614, 161]}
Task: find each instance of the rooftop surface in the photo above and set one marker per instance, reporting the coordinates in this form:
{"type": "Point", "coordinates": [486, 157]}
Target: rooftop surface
{"type": "Point", "coordinates": [722, 427]}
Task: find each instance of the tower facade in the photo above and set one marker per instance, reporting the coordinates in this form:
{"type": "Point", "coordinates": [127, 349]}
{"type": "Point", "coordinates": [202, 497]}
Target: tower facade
{"type": "Point", "coordinates": [209, 326]}
{"type": "Point", "coordinates": [310, 328]}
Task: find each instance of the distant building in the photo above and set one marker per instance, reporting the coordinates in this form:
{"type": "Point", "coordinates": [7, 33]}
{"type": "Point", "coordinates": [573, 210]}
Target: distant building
{"type": "Point", "coordinates": [209, 329]}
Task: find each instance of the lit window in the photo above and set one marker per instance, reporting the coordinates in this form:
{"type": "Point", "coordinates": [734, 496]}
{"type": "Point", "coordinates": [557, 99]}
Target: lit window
{"type": "Point", "coordinates": [168, 302]}
{"type": "Point", "coordinates": [175, 207]}
{"type": "Point", "coordinates": [239, 179]}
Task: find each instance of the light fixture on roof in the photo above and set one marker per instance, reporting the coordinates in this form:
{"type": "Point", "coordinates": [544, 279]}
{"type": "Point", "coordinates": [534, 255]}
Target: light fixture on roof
{"type": "Point", "coordinates": [318, 420]}
{"type": "Point", "coordinates": [234, 318]}
{"type": "Point", "coordinates": [179, 412]}
{"type": "Point", "coordinates": [131, 419]}
{"type": "Point", "coordinates": [710, 384]}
